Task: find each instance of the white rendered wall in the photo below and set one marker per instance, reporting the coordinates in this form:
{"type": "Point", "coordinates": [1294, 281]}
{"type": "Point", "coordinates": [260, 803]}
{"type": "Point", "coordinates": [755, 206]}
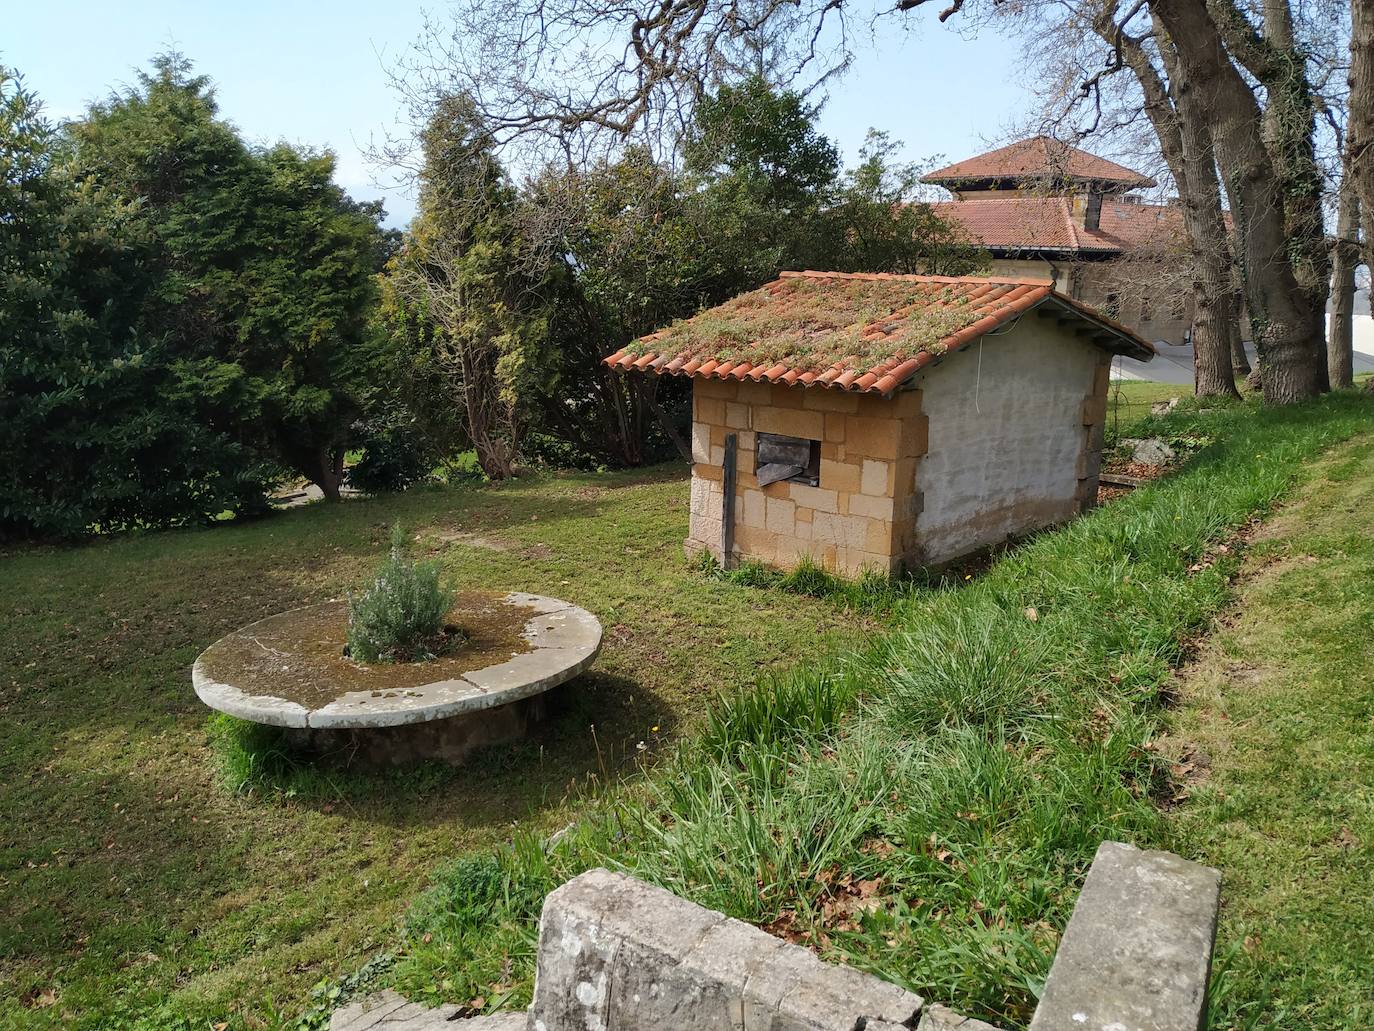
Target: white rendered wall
{"type": "Point", "coordinates": [1005, 438]}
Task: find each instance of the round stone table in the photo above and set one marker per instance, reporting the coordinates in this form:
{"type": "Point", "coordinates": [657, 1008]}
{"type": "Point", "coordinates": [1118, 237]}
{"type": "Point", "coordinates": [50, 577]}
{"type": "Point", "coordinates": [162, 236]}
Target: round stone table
{"type": "Point", "coordinates": [290, 671]}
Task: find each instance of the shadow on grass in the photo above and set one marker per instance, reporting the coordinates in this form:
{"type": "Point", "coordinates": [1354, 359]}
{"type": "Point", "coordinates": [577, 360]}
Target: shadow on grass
{"type": "Point", "coordinates": [598, 726]}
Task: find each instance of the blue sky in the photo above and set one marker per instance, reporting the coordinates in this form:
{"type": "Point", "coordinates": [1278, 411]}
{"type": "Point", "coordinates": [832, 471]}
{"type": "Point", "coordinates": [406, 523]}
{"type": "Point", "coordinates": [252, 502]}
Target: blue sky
{"type": "Point", "coordinates": [314, 74]}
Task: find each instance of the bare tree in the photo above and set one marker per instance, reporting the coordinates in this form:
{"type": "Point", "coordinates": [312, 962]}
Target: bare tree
{"type": "Point", "coordinates": [576, 72]}
{"type": "Point", "coordinates": [1340, 344]}
{"type": "Point", "coordinates": [1187, 147]}
{"type": "Point", "coordinates": [1360, 125]}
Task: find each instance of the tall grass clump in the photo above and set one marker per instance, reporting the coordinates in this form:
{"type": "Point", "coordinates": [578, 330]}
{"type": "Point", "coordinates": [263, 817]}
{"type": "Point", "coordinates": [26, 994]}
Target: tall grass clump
{"type": "Point", "coordinates": [399, 617]}
{"type": "Point", "coordinates": [798, 705]}
{"type": "Point", "coordinates": [926, 807]}
{"type": "Point", "coordinates": [965, 664]}
{"type": "Point", "coordinates": [873, 590]}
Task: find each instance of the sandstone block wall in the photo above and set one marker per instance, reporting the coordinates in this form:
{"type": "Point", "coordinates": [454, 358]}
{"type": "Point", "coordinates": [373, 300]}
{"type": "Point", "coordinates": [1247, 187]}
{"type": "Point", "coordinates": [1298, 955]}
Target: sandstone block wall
{"type": "Point", "coordinates": [861, 515]}
{"type": "Point", "coordinates": [1089, 466]}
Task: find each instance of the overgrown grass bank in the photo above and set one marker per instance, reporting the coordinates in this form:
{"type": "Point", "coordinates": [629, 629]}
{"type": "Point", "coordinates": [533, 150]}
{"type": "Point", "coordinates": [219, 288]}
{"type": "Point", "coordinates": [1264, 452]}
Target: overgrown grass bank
{"type": "Point", "coordinates": [926, 807]}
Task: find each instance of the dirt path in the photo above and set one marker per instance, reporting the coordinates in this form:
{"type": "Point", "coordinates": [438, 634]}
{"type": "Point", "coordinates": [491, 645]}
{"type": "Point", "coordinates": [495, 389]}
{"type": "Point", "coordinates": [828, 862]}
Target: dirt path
{"type": "Point", "coordinates": [1274, 738]}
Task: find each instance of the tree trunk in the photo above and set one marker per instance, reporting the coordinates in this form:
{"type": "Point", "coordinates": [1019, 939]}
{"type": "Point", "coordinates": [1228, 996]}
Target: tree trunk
{"type": "Point", "coordinates": [1187, 147]}
{"type": "Point", "coordinates": [1340, 343]}
{"type": "Point", "coordinates": [481, 402]}
{"type": "Point", "coordinates": [1211, 91]}
{"type": "Point", "coordinates": [1279, 64]}
{"type": "Point", "coordinates": [1240, 361]}
{"type": "Point", "coordinates": [650, 392]}
{"type": "Point", "coordinates": [325, 469]}
{"type": "Point", "coordinates": [1360, 124]}
{"type": "Point", "coordinates": [1212, 373]}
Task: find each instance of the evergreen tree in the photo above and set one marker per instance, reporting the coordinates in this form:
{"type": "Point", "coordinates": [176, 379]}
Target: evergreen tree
{"type": "Point", "coordinates": [91, 433]}
{"type": "Point", "coordinates": [460, 289]}
{"type": "Point", "coordinates": [262, 270]}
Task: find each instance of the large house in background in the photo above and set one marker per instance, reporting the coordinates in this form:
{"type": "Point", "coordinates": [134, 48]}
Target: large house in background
{"type": "Point", "coordinates": [1046, 209]}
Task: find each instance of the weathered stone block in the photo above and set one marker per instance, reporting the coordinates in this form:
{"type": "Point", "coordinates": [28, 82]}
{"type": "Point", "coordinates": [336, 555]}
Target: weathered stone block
{"type": "Point", "coordinates": [942, 1018]}
{"type": "Point", "coordinates": [840, 530]}
{"type": "Point", "coordinates": [388, 1011]}
{"type": "Point", "coordinates": [854, 562]}
{"type": "Point", "coordinates": [1102, 377]}
{"type": "Point", "coordinates": [783, 396]}
{"type": "Point", "coordinates": [1138, 949]}
{"type": "Point", "coordinates": [737, 415]}
{"type": "Point", "coordinates": [697, 496]}
{"type": "Point", "coordinates": [915, 436]}
{"type": "Point", "coordinates": [873, 508]}
{"type": "Point", "coordinates": [872, 438]}
{"type": "Point", "coordinates": [755, 505]}
{"type": "Point", "coordinates": [834, 426]}
{"type": "Point", "coordinates": [709, 409]}
{"type": "Point", "coordinates": [791, 422]}
{"type": "Point", "coordinates": [830, 996]}
{"type": "Point", "coordinates": [840, 476]}
{"type": "Point", "coordinates": [701, 442]}
{"type": "Point", "coordinates": [781, 516]}
{"type": "Point", "coordinates": [907, 403]}
{"type": "Point", "coordinates": [876, 478]}
{"type": "Point", "coordinates": [618, 955]}
{"type": "Point", "coordinates": [878, 536]}
{"type": "Point", "coordinates": [825, 400]}
{"type": "Point", "coordinates": [756, 394]}
{"type": "Point", "coordinates": [602, 935]}
{"type": "Point", "coordinates": [1094, 409]}
{"type": "Point", "coordinates": [819, 499]}
{"type": "Point", "coordinates": [707, 530]}
{"type": "Point", "coordinates": [726, 390]}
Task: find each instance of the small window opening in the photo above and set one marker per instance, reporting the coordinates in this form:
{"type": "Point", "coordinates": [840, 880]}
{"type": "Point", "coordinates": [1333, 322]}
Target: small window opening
{"type": "Point", "coordinates": [1147, 309]}
{"type": "Point", "coordinates": [787, 458]}
{"type": "Point", "coordinates": [1111, 307]}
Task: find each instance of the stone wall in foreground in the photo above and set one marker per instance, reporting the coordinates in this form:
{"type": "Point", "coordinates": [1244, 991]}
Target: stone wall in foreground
{"type": "Point", "coordinates": [616, 954]}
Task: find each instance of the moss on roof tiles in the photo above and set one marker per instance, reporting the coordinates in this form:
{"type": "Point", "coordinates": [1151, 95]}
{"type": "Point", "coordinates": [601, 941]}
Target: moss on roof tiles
{"type": "Point", "coordinates": [811, 324]}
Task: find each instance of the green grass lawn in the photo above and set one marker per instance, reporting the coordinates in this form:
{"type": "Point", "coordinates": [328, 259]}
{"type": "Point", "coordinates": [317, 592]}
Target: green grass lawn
{"type": "Point", "coordinates": [133, 881]}
{"type": "Point", "coordinates": [1277, 731]}
{"type": "Point", "coordinates": [962, 753]}
{"type": "Point", "coordinates": [1129, 401]}
{"type": "Point", "coordinates": [964, 766]}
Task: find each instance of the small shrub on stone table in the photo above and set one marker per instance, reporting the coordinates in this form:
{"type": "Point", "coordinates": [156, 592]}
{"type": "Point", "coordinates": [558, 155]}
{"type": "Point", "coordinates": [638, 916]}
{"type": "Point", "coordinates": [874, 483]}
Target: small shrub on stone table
{"type": "Point", "coordinates": [400, 617]}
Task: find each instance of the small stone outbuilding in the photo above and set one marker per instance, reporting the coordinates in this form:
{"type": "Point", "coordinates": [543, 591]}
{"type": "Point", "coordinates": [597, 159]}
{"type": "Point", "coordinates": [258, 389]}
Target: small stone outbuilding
{"type": "Point", "coordinates": [887, 422]}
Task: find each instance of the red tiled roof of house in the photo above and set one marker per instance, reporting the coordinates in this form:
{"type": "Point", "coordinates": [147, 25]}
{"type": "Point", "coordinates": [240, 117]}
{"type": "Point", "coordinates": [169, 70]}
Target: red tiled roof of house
{"type": "Point", "coordinates": [1039, 157]}
{"type": "Point", "coordinates": [1025, 223]}
{"type": "Point", "coordinates": [851, 331]}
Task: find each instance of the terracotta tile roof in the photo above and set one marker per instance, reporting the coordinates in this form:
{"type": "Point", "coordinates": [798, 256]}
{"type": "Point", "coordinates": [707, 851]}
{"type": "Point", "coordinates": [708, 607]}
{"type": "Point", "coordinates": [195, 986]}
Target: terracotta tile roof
{"type": "Point", "coordinates": [1023, 223]}
{"type": "Point", "coordinates": [851, 331]}
{"type": "Point", "coordinates": [1039, 157]}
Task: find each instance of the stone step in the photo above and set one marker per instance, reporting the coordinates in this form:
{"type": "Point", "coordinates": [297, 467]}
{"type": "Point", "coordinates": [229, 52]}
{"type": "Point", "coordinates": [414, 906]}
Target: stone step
{"type": "Point", "coordinates": [388, 1011]}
